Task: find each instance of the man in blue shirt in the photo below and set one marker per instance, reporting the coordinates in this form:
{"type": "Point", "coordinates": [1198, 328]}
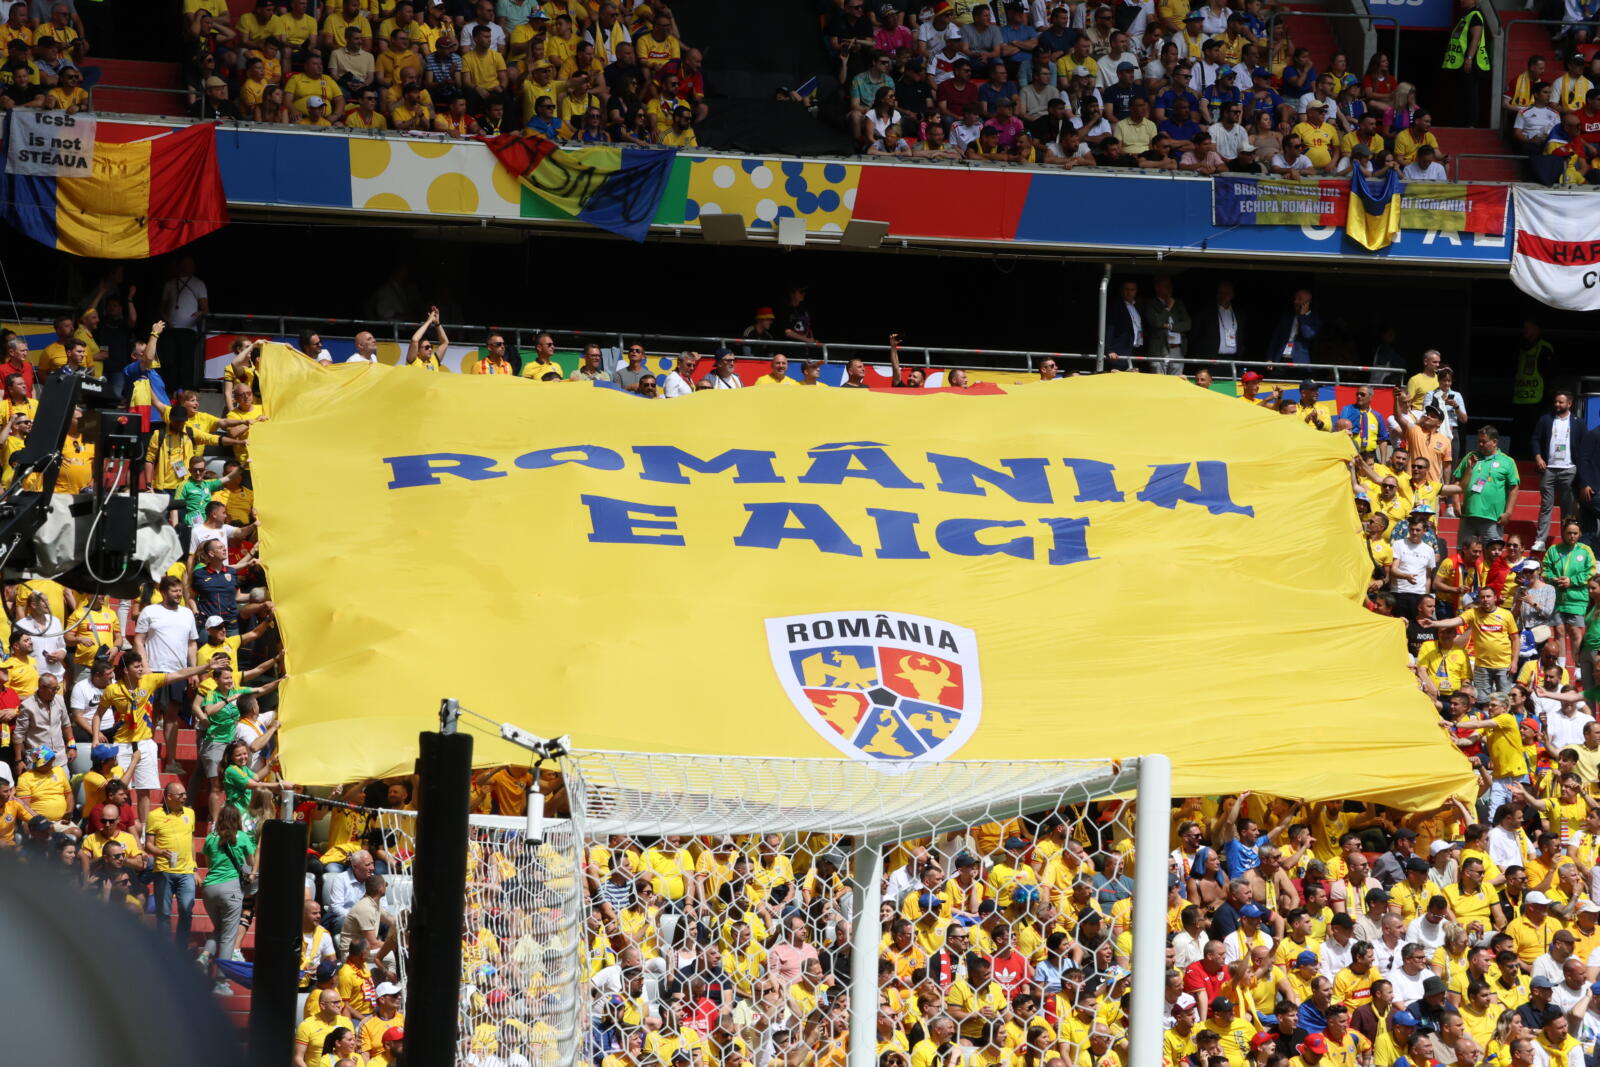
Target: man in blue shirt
{"type": "Point", "coordinates": [1020, 39]}
{"type": "Point", "coordinates": [1182, 76]}
{"type": "Point", "coordinates": [1119, 96]}
{"type": "Point", "coordinates": [1367, 427]}
{"type": "Point", "coordinates": [1180, 126]}
{"type": "Point", "coordinates": [1223, 90]}
{"type": "Point", "coordinates": [1056, 39]}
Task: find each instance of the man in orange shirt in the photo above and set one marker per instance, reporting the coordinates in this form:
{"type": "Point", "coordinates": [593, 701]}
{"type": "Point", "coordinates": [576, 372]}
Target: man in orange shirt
{"type": "Point", "coordinates": [1422, 434]}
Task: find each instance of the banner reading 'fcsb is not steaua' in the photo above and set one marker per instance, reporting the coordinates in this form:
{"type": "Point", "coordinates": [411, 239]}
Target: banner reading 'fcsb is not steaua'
{"type": "Point", "coordinates": [1097, 567]}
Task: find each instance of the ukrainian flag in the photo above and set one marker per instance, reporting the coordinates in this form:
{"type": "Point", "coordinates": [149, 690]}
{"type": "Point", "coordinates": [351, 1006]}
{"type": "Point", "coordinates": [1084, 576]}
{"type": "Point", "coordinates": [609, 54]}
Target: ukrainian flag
{"type": "Point", "coordinates": [1373, 219]}
{"type": "Point", "coordinates": [609, 186]}
{"type": "Point", "coordinates": [145, 198]}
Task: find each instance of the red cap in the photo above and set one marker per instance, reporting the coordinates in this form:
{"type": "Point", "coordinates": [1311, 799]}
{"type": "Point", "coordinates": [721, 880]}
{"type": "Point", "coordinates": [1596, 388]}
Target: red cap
{"type": "Point", "coordinates": [764, 313]}
{"type": "Point", "coordinates": [1250, 376]}
{"type": "Point", "coordinates": [394, 1033]}
{"type": "Point", "coordinates": [1315, 1043]}
{"type": "Point", "coordinates": [1266, 1037]}
{"type": "Point", "coordinates": [496, 996]}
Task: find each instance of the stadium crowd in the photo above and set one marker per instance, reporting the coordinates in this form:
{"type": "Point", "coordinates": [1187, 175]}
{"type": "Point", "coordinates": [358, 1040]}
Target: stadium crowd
{"type": "Point", "coordinates": [587, 72]}
{"type": "Point", "coordinates": [1343, 931]}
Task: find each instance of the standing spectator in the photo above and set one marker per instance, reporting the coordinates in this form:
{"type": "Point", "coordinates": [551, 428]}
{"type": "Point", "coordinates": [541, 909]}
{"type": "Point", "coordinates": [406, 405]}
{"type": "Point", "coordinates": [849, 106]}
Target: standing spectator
{"type": "Point", "coordinates": [231, 861]}
{"type": "Point", "coordinates": [1125, 336]}
{"type": "Point", "coordinates": [1586, 482]}
{"type": "Point", "coordinates": [797, 325]}
{"type": "Point", "coordinates": [184, 305]}
{"type": "Point", "coordinates": [1217, 327]}
{"type": "Point", "coordinates": [1489, 481]}
{"type": "Point", "coordinates": [165, 641]}
{"type": "Point", "coordinates": [1166, 323]}
{"type": "Point", "coordinates": [169, 838]}
{"type": "Point", "coordinates": [1521, 93]}
{"type": "Point", "coordinates": [1299, 326]}
{"type": "Point", "coordinates": [1554, 446]}
{"type": "Point", "coordinates": [1448, 400]}
{"type": "Point", "coordinates": [1569, 566]}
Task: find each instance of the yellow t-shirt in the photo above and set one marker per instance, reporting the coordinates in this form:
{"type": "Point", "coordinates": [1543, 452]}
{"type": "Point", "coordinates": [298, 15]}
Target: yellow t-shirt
{"type": "Point", "coordinates": [1494, 637]}
{"type": "Point", "coordinates": [1405, 149]}
{"type": "Point", "coordinates": [302, 87]}
{"type": "Point", "coordinates": [1318, 140]}
{"type": "Point", "coordinates": [229, 648]}
{"type": "Point", "coordinates": [372, 1031]}
{"type": "Point", "coordinates": [768, 379]}
{"type": "Point", "coordinates": [961, 994]}
{"type": "Point", "coordinates": [355, 121]}
{"type": "Point", "coordinates": [94, 844]}
{"type": "Point", "coordinates": [131, 707]}
{"type": "Point", "coordinates": [1473, 907]}
{"type": "Point", "coordinates": [24, 676]}
{"type": "Point", "coordinates": [48, 792]}
{"type": "Point", "coordinates": [175, 833]}
{"type": "Point", "coordinates": [483, 70]}
{"type": "Point", "coordinates": [77, 465]}
{"type": "Point", "coordinates": [297, 29]}
{"type": "Point", "coordinates": [1351, 140]}
{"type": "Point", "coordinates": [1504, 738]}
{"type": "Point", "coordinates": [312, 1032]}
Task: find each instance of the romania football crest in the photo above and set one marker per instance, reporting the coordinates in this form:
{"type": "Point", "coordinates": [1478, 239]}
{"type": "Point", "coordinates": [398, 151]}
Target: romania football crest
{"type": "Point", "coordinates": [880, 686]}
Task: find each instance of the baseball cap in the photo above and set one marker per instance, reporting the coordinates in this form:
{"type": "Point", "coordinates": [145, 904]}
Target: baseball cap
{"type": "Point", "coordinates": [1377, 896]}
{"type": "Point", "coordinates": [1541, 982]}
{"type": "Point", "coordinates": [1221, 1004]}
{"type": "Point", "coordinates": [1361, 150]}
{"type": "Point", "coordinates": [326, 970]}
{"type": "Point", "coordinates": [543, 64]}
{"type": "Point", "coordinates": [1403, 1018]}
{"type": "Point", "coordinates": [316, 101]}
{"type": "Point", "coordinates": [497, 996]}
{"type": "Point", "coordinates": [394, 1033]}
{"type": "Point", "coordinates": [1307, 383]}
{"type": "Point", "coordinates": [1252, 911]}
{"type": "Point", "coordinates": [966, 859]}
{"type": "Point", "coordinates": [43, 756]}
{"type": "Point", "coordinates": [213, 620]}
{"type": "Point", "coordinates": [386, 989]}
{"type": "Point", "coordinates": [1536, 897]}
{"type": "Point", "coordinates": [1125, 66]}
{"type": "Point", "coordinates": [1315, 1043]}
{"type": "Point", "coordinates": [1306, 959]}
{"type": "Point", "coordinates": [1195, 14]}
{"type": "Point", "coordinates": [1226, 72]}
{"type": "Point", "coordinates": [1184, 1002]}
{"type": "Point", "coordinates": [1081, 72]}
{"type": "Point", "coordinates": [1016, 842]}
{"type": "Point", "coordinates": [764, 313]}
{"type": "Point", "coordinates": [1422, 508]}
{"type": "Point", "coordinates": [1316, 105]}
{"type": "Point", "coordinates": [101, 753]}
{"type": "Point", "coordinates": [39, 822]}
{"type": "Point", "coordinates": [1342, 920]}
{"type": "Point", "coordinates": [1263, 1038]}
{"type": "Point", "coordinates": [1407, 833]}
{"type": "Point", "coordinates": [1440, 846]}
{"type": "Point", "coordinates": [1250, 376]}
{"type": "Point", "coordinates": [1418, 864]}
{"type": "Point", "coordinates": [889, 9]}
{"type": "Point", "coordinates": [1589, 905]}
{"type": "Point", "coordinates": [1525, 566]}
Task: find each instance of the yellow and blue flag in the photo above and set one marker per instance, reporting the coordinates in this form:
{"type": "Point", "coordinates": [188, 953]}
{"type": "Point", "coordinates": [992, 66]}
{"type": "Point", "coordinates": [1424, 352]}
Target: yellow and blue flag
{"type": "Point", "coordinates": [610, 186]}
{"type": "Point", "coordinates": [1373, 220]}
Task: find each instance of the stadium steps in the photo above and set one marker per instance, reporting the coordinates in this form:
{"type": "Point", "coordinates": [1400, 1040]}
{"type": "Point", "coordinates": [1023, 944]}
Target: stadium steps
{"type": "Point", "coordinates": [147, 88]}
{"type": "Point", "coordinates": [1524, 517]}
{"type": "Point", "coordinates": [1310, 30]}
{"type": "Point", "coordinates": [1458, 140]}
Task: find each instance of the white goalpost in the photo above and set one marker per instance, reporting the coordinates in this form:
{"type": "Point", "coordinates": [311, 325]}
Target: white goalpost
{"type": "Point", "coordinates": [542, 894]}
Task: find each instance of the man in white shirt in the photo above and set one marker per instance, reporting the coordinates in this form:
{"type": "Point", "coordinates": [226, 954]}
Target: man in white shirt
{"type": "Point", "coordinates": [1292, 162]}
{"type": "Point", "coordinates": [1554, 442]}
{"type": "Point", "coordinates": [497, 34]}
{"type": "Point", "coordinates": [215, 527]}
{"type": "Point", "coordinates": [1414, 561]}
{"type": "Point", "coordinates": [1231, 138]}
{"type": "Point", "coordinates": [1409, 974]}
{"type": "Point", "coordinates": [165, 639]}
{"type": "Point", "coordinates": [84, 703]}
{"type": "Point", "coordinates": [1425, 168]}
{"type": "Point", "coordinates": [184, 302]}
{"type": "Point", "coordinates": [1535, 121]}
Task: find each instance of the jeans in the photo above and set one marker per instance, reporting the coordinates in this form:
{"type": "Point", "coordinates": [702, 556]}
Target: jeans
{"type": "Point", "coordinates": [1500, 793]}
{"type": "Point", "coordinates": [224, 903]}
{"type": "Point", "coordinates": [169, 885]}
{"type": "Point", "coordinates": [1550, 482]}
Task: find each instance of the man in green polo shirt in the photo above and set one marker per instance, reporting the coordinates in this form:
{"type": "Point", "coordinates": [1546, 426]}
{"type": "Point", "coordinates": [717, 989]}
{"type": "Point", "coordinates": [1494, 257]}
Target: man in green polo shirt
{"type": "Point", "coordinates": [1488, 480]}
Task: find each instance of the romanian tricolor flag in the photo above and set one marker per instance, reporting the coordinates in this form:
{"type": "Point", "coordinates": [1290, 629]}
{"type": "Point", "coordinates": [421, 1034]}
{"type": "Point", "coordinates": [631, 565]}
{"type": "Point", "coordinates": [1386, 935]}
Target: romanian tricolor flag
{"type": "Point", "coordinates": [145, 198]}
{"type": "Point", "coordinates": [1373, 220]}
{"type": "Point", "coordinates": [613, 187]}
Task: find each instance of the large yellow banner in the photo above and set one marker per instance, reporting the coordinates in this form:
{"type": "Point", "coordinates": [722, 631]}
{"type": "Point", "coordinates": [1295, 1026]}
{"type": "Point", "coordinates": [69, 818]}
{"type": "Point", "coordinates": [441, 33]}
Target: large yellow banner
{"type": "Point", "coordinates": [1098, 567]}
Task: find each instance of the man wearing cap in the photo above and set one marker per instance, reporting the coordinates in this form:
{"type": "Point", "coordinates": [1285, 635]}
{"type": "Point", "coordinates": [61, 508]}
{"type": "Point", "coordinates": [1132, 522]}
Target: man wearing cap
{"type": "Point", "coordinates": [1533, 929]}
{"type": "Point", "coordinates": [1311, 1051]}
{"type": "Point", "coordinates": [1179, 1041]}
{"type": "Point", "coordinates": [1233, 1031]}
{"type": "Point", "coordinates": [1410, 894]}
{"type": "Point", "coordinates": [393, 1051]}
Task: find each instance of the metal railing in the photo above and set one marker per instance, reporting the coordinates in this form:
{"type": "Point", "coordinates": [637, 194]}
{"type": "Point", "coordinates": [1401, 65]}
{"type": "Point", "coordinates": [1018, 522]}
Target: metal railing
{"type": "Point", "coordinates": [1455, 160]}
{"type": "Point", "coordinates": [1502, 44]}
{"type": "Point", "coordinates": [924, 357]}
{"type": "Point", "coordinates": [1370, 20]}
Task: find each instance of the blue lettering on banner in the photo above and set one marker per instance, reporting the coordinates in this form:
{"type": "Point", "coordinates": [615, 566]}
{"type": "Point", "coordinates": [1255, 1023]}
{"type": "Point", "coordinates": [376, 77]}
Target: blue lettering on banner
{"type": "Point", "coordinates": [893, 534]}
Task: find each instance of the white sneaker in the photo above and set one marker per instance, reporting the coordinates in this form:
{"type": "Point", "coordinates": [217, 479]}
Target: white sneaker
{"type": "Point", "coordinates": [238, 956]}
{"type": "Point", "coordinates": [204, 960]}
{"type": "Point", "coordinates": [1538, 546]}
{"type": "Point", "coordinates": [222, 989]}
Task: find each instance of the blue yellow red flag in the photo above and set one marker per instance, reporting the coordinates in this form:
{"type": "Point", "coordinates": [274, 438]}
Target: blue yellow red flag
{"type": "Point", "coordinates": [614, 187]}
{"type": "Point", "coordinates": [1373, 219]}
{"type": "Point", "coordinates": [1092, 568]}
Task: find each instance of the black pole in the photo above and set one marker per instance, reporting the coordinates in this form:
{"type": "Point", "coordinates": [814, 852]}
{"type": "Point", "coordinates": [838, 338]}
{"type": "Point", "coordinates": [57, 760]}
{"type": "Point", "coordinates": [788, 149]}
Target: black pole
{"type": "Point", "coordinates": [438, 898]}
{"type": "Point", "coordinates": [280, 906]}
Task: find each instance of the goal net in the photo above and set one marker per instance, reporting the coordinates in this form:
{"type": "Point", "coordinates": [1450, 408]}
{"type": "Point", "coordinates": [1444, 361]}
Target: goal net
{"type": "Point", "coordinates": [697, 912]}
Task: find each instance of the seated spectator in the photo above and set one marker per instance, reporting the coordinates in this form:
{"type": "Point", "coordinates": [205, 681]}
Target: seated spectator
{"type": "Point", "coordinates": [914, 93]}
{"type": "Point", "coordinates": [1093, 125]}
{"type": "Point", "coordinates": [998, 88]}
{"type": "Point", "coordinates": [544, 121]}
{"type": "Point", "coordinates": [1565, 143]}
{"type": "Point", "coordinates": [316, 112]}
{"type": "Point", "coordinates": [214, 104]}
{"type": "Point", "coordinates": [413, 111]}
{"type": "Point", "coordinates": [864, 89]}
{"type": "Point", "coordinates": [1292, 161]}
{"type": "Point", "coordinates": [1420, 132]}
{"type": "Point", "coordinates": [1231, 140]}
{"type": "Point", "coordinates": [936, 145]}
{"type": "Point", "coordinates": [959, 92]}
{"type": "Point", "coordinates": [891, 143]}
{"type": "Point", "coordinates": [1121, 94]}
{"type": "Point", "coordinates": [1068, 150]}
{"type": "Point", "coordinates": [1535, 121]}
{"type": "Point", "coordinates": [1523, 90]}
{"type": "Point", "coordinates": [1180, 126]}
{"type": "Point", "coordinates": [1201, 156]}
{"type": "Point", "coordinates": [70, 95]}
{"type": "Point", "coordinates": [1571, 89]}
{"type": "Point", "coordinates": [1007, 126]}
{"type": "Point", "coordinates": [981, 37]}
{"type": "Point", "coordinates": [366, 115]}
{"type": "Point", "coordinates": [1048, 128]}
{"type": "Point", "coordinates": [1424, 167]}
{"type": "Point", "coordinates": [274, 106]}
{"type": "Point", "coordinates": [1159, 155]}
{"type": "Point", "coordinates": [681, 135]}
{"type": "Point", "coordinates": [351, 64]}
{"type": "Point", "coordinates": [1136, 132]}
